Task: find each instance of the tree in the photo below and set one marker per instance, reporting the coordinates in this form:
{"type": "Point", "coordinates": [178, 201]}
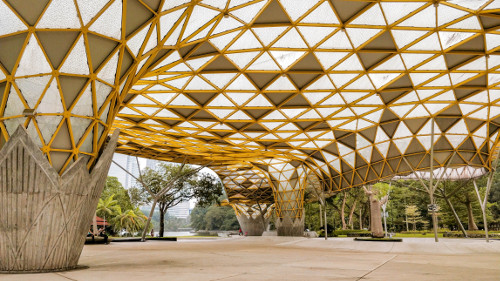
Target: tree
{"type": "Point", "coordinates": [173, 223]}
{"type": "Point", "coordinates": [214, 218]}
{"type": "Point", "coordinates": [171, 184]}
{"type": "Point", "coordinates": [108, 207]}
{"type": "Point", "coordinates": [114, 187]}
{"type": "Point", "coordinates": [466, 197]}
{"type": "Point", "coordinates": [446, 189]}
{"type": "Point", "coordinates": [377, 196]}
{"type": "Point", "coordinates": [131, 220]}
{"type": "Point", "coordinates": [197, 217]}
{"type": "Point", "coordinates": [413, 216]}
{"type": "Point", "coordinates": [494, 205]}
{"type": "Point", "coordinates": [138, 196]}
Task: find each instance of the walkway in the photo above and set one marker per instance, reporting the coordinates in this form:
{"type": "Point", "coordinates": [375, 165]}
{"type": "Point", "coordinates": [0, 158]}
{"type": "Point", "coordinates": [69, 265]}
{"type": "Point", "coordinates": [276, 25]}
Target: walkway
{"type": "Point", "coordinates": [280, 258]}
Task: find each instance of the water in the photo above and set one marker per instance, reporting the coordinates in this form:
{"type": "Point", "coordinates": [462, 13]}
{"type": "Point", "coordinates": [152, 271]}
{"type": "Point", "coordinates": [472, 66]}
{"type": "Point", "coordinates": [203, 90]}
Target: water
{"type": "Point", "coordinates": [175, 233]}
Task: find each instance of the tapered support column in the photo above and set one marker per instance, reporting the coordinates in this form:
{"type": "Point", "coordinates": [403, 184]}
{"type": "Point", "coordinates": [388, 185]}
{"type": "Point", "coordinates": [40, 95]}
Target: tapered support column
{"type": "Point", "coordinates": [289, 225]}
{"type": "Point", "coordinates": [290, 213]}
{"type": "Point", "coordinates": [45, 217]}
{"type": "Point", "coordinates": [252, 226]}
{"type": "Point", "coordinates": [254, 219]}
{"type": "Point", "coordinates": [289, 198]}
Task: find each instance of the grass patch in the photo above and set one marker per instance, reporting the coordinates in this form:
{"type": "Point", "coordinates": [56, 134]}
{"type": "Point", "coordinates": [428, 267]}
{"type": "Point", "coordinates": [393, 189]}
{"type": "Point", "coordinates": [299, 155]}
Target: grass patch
{"type": "Point", "coordinates": [378, 239]}
{"type": "Point", "coordinates": [419, 235]}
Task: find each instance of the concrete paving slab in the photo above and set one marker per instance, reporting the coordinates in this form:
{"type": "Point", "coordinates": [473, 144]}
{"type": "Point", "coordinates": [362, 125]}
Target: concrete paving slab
{"type": "Point", "coordinates": [281, 258]}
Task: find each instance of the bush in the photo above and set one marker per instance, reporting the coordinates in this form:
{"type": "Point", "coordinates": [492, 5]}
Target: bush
{"type": "Point", "coordinates": [321, 233]}
{"type": "Point", "coordinates": [359, 234]}
{"type": "Point", "coordinates": [471, 234]}
{"type": "Point", "coordinates": [423, 232]}
{"type": "Point", "coordinates": [352, 231]}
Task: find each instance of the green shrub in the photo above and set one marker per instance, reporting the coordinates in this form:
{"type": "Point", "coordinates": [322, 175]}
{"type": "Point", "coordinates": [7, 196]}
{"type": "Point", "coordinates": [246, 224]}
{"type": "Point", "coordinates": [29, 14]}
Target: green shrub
{"type": "Point", "coordinates": [471, 234]}
{"type": "Point", "coordinates": [346, 231]}
{"type": "Point", "coordinates": [359, 234]}
{"type": "Point", "coordinates": [423, 232]}
{"type": "Point", "coordinates": [321, 233]}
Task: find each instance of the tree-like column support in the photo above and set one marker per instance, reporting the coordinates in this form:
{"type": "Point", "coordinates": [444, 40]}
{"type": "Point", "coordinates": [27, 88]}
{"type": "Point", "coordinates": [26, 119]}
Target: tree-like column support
{"type": "Point", "coordinates": [289, 184]}
{"type": "Point", "coordinates": [290, 213]}
{"type": "Point", "coordinates": [253, 219]}
{"type": "Point", "coordinates": [483, 201]}
{"type": "Point", "coordinates": [251, 224]}
{"type": "Point", "coordinates": [45, 216]}
{"type": "Point", "coordinates": [431, 187]}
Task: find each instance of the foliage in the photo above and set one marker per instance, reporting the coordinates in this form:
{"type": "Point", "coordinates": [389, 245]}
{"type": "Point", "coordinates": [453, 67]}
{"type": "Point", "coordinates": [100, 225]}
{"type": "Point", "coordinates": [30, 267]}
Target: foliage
{"type": "Point", "coordinates": [347, 231]}
{"type": "Point", "coordinates": [413, 215]}
{"type": "Point", "coordinates": [173, 223]}
{"type": "Point", "coordinates": [203, 187]}
{"type": "Point", "coordinates": [471, 234]}
{"type": "Point", "coordinates": [138, 196]}
{"type": "Point", "coordinates": [404, 193]}
{"type": "Point", "coordinates": [114, 187]}
{"type": "Point", "coordinates": [131, 221]}
{"type": "Point", "coordinates": [108, 207]}
{"type": "Point", "coordinates": [116, 207]}
{"type": "Point", "coordinates": [197, 217]}
{"type": "Point", "coordinates": [214, 218]}
{"type": "Point", "coordinates": [381, 189]}
{"type": "Point", "coordinates": [176, 183]}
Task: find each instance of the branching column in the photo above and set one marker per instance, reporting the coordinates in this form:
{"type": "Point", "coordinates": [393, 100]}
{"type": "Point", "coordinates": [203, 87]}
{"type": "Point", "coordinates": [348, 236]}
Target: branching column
{"type": "Point", "coordinates": [289, 186]}
{"type": "Point", "coordinates": [253, 219]}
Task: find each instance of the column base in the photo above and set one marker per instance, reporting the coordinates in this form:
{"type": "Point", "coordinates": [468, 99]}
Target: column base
{"type": "Point", "coordinates": [46, 217]}
{"type": "Point", "coordinates": [252, 226]}
{"type": "Point", "coordinates": [290, 227]}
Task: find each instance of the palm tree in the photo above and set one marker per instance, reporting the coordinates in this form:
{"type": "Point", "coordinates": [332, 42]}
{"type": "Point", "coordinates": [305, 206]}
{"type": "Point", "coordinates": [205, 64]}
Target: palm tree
{"type": "Point", "coordinates": [130, 220]}
{"type": "Point", "coordinates": [109, 207]}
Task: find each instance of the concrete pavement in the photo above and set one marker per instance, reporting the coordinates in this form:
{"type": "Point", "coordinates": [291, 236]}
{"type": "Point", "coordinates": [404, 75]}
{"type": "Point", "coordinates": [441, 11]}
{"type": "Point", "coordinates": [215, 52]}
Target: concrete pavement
{"type": "Point", "coordinates": [282, 258]}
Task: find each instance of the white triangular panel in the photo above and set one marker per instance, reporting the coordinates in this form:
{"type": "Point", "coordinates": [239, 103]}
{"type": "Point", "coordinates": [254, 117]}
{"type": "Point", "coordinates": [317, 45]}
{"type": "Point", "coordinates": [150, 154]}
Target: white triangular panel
{"type": "Point", "coordinates": [110, 22]}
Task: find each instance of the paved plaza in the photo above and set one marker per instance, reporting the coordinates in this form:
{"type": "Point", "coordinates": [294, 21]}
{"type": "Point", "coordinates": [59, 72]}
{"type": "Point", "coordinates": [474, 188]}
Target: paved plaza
{"type": "Point", "coordinates": [284, 258]}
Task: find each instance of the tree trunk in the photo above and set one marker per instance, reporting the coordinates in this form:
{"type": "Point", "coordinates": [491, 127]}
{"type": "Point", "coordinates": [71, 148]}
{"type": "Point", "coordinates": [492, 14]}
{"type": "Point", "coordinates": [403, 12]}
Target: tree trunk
{"type": "Point", "coordinates": [162, 221]}
{"type": "Point", "coordinates": [472, 223]}
{"type": "Point", "coordinates": [369, 225]}
{"type": "Point", "coordinates": [342, 212]}
{"type": "Point", "coordinates": [360, 218]}
{"type": "Point", "coordinates": [376, 218]}
{"type": "Point", "coordinates": [353, 208]}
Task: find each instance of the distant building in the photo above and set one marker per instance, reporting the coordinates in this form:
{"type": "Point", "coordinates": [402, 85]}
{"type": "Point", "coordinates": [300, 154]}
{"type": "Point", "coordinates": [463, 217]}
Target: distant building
{"type": "Point", "coordinates": [133, 168]}
{"type": "Point", "coordinates": [115, 171]}
{"type": "Point", "coordinates": [127, 162]}
{"type": "Point", "coordinates": [180, 211]}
